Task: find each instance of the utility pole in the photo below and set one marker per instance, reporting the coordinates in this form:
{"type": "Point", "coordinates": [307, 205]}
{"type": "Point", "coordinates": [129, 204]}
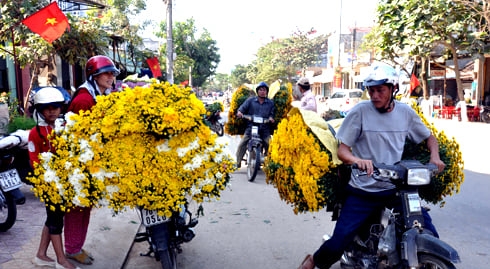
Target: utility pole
{"type": "Point", "coordinates": [170, 43]}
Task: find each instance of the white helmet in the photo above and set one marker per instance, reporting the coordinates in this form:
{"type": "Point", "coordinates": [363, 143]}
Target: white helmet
{"type": "Point", "coordinates": [48, 96]}
{"type": "Point", "coordinates": [380, 75]}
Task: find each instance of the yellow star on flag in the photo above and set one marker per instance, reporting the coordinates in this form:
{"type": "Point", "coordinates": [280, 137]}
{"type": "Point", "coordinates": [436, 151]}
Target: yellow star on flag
{"type": "Point", "coordinates": [51, 21]}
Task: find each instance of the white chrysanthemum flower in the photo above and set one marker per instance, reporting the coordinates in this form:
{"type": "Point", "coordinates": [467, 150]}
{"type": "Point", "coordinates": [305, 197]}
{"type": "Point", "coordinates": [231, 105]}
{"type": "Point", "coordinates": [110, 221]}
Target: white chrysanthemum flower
{"type": "Point", "coordinates": [195, 190]}
{"type": "Point", "coordinates": [112, 189]}
{"type": "Point", "coordinates": [59, 125]}
{"type": "Point", "coordinates": [164, 147]}
{"type": "Point", "coordinates": [69, 122]}
{"type": "Point", "coordinates": [50, 176]}
{"type": "Point", "coordinates": [75, 178]}
{"type": "Point", "coordinates": [60, 189]}
{"type": "Point", "coordinates": [193, 145]}
{"type": "Point", "coordinates": [86, 152]}
{"type": "Point", "coordinates": [94, 137]}
{"type": "Point", "coordinates": [76, 201]}
{"type": "Point", "coordinates": [68, 165]}
{"type": "Point", "coordinates": [219, 175]}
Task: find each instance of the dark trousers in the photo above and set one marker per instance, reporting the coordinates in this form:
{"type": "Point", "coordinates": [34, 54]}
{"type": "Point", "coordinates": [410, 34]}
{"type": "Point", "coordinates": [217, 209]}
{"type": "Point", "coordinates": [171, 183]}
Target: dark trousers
{"type": "Point", "coordinates": [359, 207]}
{"type": "Point", "coordinates": [242, 147]}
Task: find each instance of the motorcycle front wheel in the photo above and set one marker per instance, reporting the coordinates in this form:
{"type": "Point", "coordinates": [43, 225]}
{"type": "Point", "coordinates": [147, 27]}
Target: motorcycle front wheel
{"type": "Point", "coordinates": [8, 213]}
{"type": "Point", "coordinates": [168, 258]}
{"type": "Point", "coordinates": [253, 163]}
{"type": "Point", "coordinates": [432, 262]}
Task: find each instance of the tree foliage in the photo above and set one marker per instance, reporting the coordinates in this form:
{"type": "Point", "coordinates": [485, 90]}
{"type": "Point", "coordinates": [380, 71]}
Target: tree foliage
{"type": "Point", "coordinates": [424, 29]}
{"type": "Point", "coordinates": [239, 76]}
{"type": "Point", "coordinates": [285, 58]}
{"type": "Point", "coordinates": [197, 52]}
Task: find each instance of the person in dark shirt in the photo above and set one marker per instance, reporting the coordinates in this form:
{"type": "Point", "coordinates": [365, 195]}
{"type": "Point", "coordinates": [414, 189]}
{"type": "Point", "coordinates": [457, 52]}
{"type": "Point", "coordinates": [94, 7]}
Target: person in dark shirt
{"type": "Point", "coordinates": [261, 106]}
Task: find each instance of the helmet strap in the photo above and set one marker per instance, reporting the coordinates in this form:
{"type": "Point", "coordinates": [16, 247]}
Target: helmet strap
{"type": "Point", "coordinates": [391, 104]}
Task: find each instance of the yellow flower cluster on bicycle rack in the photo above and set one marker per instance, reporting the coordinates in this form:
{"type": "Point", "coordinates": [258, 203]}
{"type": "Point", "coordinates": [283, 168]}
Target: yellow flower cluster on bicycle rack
{"type": "Point", "coordinates": [301, 163]}
{"type": "Point", "coordinates": [143, 147]}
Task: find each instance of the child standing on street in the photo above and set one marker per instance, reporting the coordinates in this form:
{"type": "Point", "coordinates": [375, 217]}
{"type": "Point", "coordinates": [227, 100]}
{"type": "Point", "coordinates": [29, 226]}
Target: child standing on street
{"type": "Point", "coordinates": [48, 103]}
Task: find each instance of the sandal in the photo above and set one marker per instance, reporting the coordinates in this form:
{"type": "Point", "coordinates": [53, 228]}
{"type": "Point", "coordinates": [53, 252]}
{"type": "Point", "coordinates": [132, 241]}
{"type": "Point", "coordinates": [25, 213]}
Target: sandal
{"type": "Point", "coordinates": [80, 257]}
{"type": "Point", "coordinates": [308, 263]}
{"type": "Point", "coordinates": [88, 254]}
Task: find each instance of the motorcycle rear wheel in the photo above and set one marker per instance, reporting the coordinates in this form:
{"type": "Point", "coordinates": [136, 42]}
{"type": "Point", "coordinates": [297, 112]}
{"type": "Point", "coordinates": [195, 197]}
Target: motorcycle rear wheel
{"type": "Point", "coordinates": [8, 214]}
{"type": "Point", "coordinates": [253, 163]}
{"type": "Point", "coordinates": [485, 116]}
{"type": "Point", "coordinates": [168, 258]}
{"type": "Point", "coordinates": [218, 128]}
{"type": "Point", "coordinates": [433, 262]}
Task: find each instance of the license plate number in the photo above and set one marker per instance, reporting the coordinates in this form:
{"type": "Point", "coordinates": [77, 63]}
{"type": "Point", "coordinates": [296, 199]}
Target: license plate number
{"type": "Point", "coordinates": [414, 203]}
{"type": "Point", "coordinates": [10, 180]}
{"type": "Point", "coordinates": [151, 217]}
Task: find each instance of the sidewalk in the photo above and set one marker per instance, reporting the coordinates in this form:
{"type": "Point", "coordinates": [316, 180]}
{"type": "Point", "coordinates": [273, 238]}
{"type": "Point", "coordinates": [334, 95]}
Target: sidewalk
{"type": "Point", "coordinates": [109, 238]}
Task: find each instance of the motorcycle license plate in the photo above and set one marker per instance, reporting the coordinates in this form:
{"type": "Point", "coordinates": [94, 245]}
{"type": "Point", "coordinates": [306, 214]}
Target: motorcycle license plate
{"type": "Point", "coordinates": [255, 130]}
{"type": "Point", "coordinates": [151, 217]}
{"type": "Point", "coordinates": [414, 202]}
{"type": "Point", "coordinates": [10, 180]}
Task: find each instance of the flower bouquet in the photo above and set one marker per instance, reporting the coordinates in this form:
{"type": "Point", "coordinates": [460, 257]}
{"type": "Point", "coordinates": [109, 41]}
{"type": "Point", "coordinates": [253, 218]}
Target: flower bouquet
{"type": "Point", "coordinates": [280, 94]}
{"type": "Point", "coordinates": [212, 108]}
{"type": "Point", "coordinates": [302, 163]}
{"type": "Point", "coordinates": [143, 147]}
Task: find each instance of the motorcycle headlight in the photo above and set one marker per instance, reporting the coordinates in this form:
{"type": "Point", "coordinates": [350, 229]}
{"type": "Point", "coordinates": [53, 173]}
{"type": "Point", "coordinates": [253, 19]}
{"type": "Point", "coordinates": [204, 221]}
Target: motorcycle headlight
{"type": "Point", "coordinates": [418, 176]}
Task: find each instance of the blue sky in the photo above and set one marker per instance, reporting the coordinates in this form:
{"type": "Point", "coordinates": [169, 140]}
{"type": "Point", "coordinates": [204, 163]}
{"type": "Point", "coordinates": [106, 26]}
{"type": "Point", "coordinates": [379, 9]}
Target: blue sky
{"type": "Point", "coordinates": [241, 27]}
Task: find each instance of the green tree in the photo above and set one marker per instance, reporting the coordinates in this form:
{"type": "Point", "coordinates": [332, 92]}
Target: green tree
{"type": "Point", "coordinates": [115, 20]}
{"type": "Point", "coordinates": [199, 54]}
{"type": "Point", "coordinates": [282, 58]}
{"type": "Point", "coordinates": [416, 29]}
{"type": "Point", "coordinates": [84, 39]}
{"type": "Point", "coordinates": [239, 76]}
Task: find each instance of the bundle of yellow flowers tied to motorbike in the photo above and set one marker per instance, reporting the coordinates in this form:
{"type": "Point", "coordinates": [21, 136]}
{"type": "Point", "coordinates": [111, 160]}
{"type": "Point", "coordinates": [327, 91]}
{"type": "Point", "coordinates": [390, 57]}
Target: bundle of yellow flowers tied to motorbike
{"type": "Point", "coordinates": [302, 163]}
{"type": "Point", "coordinates": [143, 147]}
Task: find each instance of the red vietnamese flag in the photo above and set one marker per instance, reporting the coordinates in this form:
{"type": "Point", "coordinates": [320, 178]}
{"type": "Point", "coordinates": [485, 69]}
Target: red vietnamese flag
{"type": "Point", "coordinates": [414, 83]}
{"type": "Point", "coordinates": [154, 66]}
{"type": "Point", "coordinates": [49, 22]}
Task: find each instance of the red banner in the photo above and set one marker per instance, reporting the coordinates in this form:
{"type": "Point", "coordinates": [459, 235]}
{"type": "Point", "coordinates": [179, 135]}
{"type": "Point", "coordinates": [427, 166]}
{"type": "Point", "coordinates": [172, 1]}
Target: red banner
{"type": "Point", "coordinates": [154, 67]}
{"type": "Point", "coordinates": [49, 22]}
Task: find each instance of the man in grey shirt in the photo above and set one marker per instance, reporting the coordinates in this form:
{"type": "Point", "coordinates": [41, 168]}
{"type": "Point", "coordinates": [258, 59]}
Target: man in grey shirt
{"type": "Point", "coordinates": [373, 131]}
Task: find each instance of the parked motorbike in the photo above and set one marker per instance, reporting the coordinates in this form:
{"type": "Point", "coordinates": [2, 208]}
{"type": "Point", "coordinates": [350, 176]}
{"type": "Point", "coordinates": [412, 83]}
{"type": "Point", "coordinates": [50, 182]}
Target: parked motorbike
{"type": "Point", "coordinates": [10, 180]}
{"type": "Point", "coordinates": [166, 235]}
{"type": "Point", "coordinates": [255, 147]}
{"type": "Point", "coordinates": [215, 123]}
{"type": "Point", "coordinates": [400, 241]}
{"type": "Point", "coordinates": [485, 114]}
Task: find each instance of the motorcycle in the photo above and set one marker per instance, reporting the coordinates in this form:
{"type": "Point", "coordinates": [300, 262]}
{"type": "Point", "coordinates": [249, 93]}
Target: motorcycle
{"type": "Point", "coordinates": [10, 180]}
{"type": "Point", "coordinates": [485, 114]}
{"type": "Point", "coordinates": [215, 123]}
{"type": "Point", "coordinates": [399, 239]}
{"type": "Point", "coordinates": [255, 147]}
{"type": "Point", "coordinates": [166, 235]}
